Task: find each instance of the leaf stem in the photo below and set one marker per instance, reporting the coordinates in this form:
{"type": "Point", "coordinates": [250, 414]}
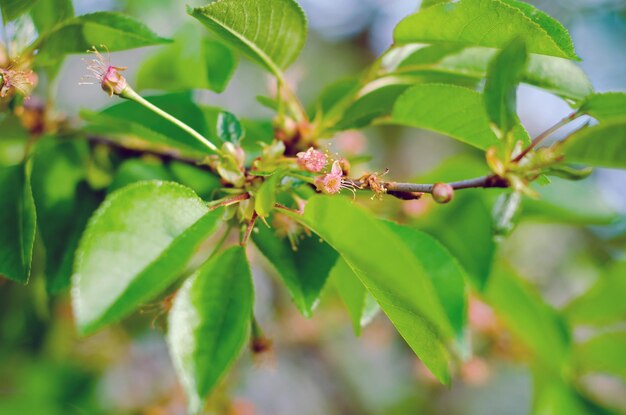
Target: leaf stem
{"type": "Point", "coordinates": [246, 235]}
{"type": "Point", "coordinates": [229, 201]}
{"type": "Point", "coordinates": [130, 94]}
{"type": "Point", "coordinates": [545, 135]}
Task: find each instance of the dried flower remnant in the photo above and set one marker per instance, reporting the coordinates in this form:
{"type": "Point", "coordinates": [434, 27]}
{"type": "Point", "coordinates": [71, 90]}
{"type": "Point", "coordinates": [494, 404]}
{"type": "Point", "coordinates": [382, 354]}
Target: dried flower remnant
{"type": "Point", "coordinates": [108, 76]}
{"type": "Point", "coordinates": [312, 160]}
{"type": "Point", "coordinates": [20, 81]}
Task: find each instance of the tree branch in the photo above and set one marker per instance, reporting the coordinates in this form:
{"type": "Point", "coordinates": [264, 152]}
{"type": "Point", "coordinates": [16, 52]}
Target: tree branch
{"type": "Point", "coordinates": [408, 191]}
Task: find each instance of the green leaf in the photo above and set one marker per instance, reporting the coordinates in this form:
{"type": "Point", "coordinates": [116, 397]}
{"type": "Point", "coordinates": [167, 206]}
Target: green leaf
{"type": "Point", "coordinates": [12, 9]}
{"type": "Point", "coordinates": [428, 3]}
{"type": "Point", "coordinates": [270, 32]}
{"type": "Point", "coordinates": [603, 353]}
{"type": "Point", "coordinates": [556, 75]}
{"type": "Point", "coordinates": [569, 202]}
{"type": "Point", "coordinates": [606, 106]}
{"type": "Point", "coordinates": [490, 23]}
{"type": "Point", "coordinates": [191, 62]}
{"type": "Point", "coordinates": [203, 182]}
{"type": "Point", "coordinates": [503, 76]}
{"type": "Point", "coordinates": [465, 226]}
{"type": "Point", "coordinates": [265, 198]}
{"type": "Point", "coordinates": [444, 271]}
{"type": "Point", "coordinates": [390, 272]}
{"type": "Point", "coordinates": [209, 323]}
{"type": "Point", "coordinates": [603, 303]}
{"type": "Point", "coordinates": [130, 120]}
{"type": "Point", "coordinates": [360, 304]}
{"type": "Point", "coordinates": [451, 110]}
{"type": "Point", "coordinates": [136, 244]}
{"type": "Point", "coordinates": [18, 223]}
{"type": "Point", "coordinates": [229, 128]}
{"type": "Point", "coordinates": [555, 396]}
{"type": "Point", "coordinates": [64, 204]}
{"type": "Point", "coordinates": [529, 318]}
{"type": "Point", "coordinates": [303, 270]}
{"type": "Point", "coordinates": [136, 170]}
{"type": "Point", "coordinates": [376, 103]}
{"type": "Point", "coordinates": [48, 13]}
{"type": "Point", "coordinates": [114, 30]}
{"type": "Point", "coordinates": [553, 27]}
{"type": "Point", "coordinates": [603, 145]}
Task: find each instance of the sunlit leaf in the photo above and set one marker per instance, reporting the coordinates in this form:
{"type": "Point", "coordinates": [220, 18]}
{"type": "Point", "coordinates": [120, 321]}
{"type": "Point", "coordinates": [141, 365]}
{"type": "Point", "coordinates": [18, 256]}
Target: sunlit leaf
{"type": "Point", "coordinates": [605, 106]}
{"type": "Point", "coordinates": [135, 245]}
{"type": "Point", "coordinates": [603, 145]}
{"type": "Point", "coordinates": [114, 30]}
{"type": "Point", "coordinates": [270, 32]}
{"type": "Point", "coordinates": [455, 111]}
{"type": "Point", "coordinates": [209, 323]}
{"type": "Point", "coordinates": [556, 75]}
{"type": "Point", "coordinates": [390, 272]}
{"type": "Point", "coordinates": [444, 271]}
{"type": "Point", "coordinates": [503, 76]}
{"type": "Point", "coordinates": [490, 23]}
{"type": "Point", "coordinates": [360, 304]}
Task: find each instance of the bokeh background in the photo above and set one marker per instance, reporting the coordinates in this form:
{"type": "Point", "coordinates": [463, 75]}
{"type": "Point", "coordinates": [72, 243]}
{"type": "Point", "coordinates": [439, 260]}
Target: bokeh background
{"type": "Point", "coordinates": [319, 366]}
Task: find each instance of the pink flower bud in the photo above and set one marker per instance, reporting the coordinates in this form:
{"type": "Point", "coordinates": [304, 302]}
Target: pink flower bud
{"type": "Point", "coordinates": [108, 76]}
{"type": "Point", "coordinates": [312, 160]}
{"type": "Point", "coordinates": [113, 82]}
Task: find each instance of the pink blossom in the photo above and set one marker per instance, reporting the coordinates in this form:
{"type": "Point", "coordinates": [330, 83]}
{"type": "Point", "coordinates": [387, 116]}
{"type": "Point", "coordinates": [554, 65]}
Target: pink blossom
{"type": "Point", "coordinates": [330, 183]}
{"type": "Point", "coordinates": [312, 160]}
{"type": "Point", "coordinates": [109, 77]}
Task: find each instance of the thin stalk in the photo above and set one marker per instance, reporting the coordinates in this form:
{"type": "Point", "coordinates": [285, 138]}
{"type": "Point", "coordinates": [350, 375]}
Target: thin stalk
{"type": "Point", "coordinates": [246, 235]}
{"type": "Point", "coordinates": [130, 94]}
{"type": "Point", "coordinates": [229, 201]}
{"type": "Point", "coordinates": [479, 182]}
{"type": "Point", "coordinates": [545, 135]}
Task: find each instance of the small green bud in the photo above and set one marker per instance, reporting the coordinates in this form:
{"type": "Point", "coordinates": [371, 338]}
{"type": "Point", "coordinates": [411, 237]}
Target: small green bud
{"type": "Point", "coordinates": [442, 193]}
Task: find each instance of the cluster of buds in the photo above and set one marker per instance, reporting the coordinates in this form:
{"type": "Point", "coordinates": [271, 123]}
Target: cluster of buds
{"type": "Point", "coordinates": [331, 182]}
{"type": "Point", "coordinates": [312, 160]}
{"type": "Point", "coordinates": [102, 72]}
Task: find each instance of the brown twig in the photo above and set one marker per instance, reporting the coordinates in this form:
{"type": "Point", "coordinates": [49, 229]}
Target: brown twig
{"type": "Point", "coordinates": [165, 154]}
{"type": "Point", "coordinates": [230, 201]}
{"type": "Point", "coordinates": [408, 191]}
{"type": "Point", "coordinates": [246, 235]}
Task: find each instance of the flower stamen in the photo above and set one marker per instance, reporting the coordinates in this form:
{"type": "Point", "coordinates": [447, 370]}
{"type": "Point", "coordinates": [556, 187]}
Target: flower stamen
{"type": "Point", "coordinates": [102, 72]}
